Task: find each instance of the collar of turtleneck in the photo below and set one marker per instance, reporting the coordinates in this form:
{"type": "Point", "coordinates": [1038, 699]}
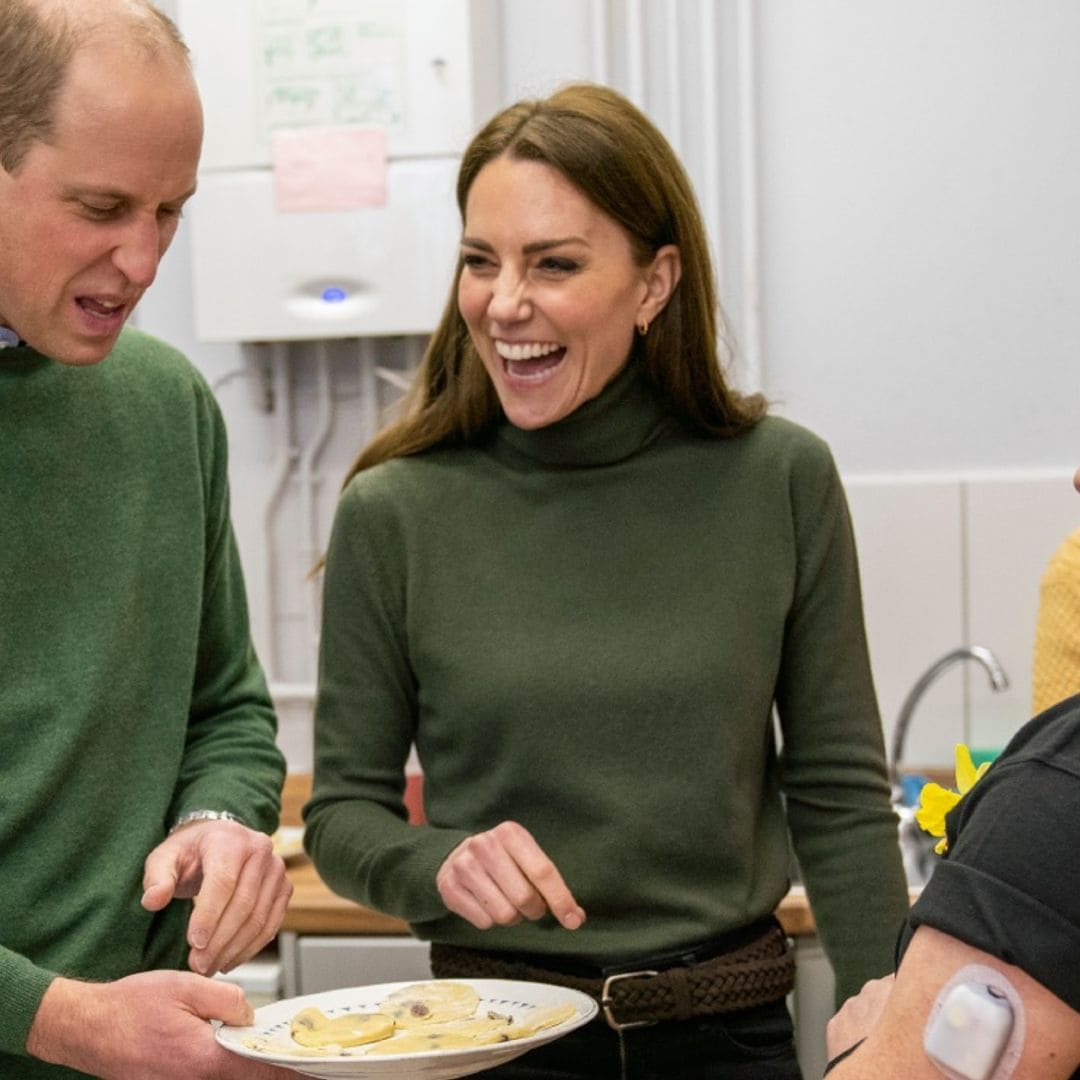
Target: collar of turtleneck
{"type": "Point", "coordinates": [623, 418]}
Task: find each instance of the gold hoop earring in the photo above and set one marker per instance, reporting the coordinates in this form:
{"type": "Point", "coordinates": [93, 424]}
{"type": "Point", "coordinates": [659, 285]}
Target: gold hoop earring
{"type": "Point", "coordinates": [643, 327]}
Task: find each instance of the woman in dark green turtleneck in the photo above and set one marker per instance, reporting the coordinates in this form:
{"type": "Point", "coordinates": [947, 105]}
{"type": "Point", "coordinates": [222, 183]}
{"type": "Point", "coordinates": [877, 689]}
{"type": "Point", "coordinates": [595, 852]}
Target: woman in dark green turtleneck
{"type": "Point", "coordinates": [579, 574]}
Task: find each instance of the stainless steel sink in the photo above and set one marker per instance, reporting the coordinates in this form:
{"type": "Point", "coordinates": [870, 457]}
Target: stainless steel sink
{"type": "Point", "coordinates": [916, 847]}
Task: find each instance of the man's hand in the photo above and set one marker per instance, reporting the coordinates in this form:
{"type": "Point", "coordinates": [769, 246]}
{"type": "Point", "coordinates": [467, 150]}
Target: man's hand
{"type": "Point", "coordinates": [858, 1015]}
{"type": "Point", "coordinates": [499, 877]}
{"type": "Point", "coordinates": [239, 885]}
{"type": "Point", "coordinates": [151, 1026]}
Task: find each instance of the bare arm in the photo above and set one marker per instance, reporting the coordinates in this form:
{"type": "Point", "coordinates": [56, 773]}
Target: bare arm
{"type": "Point", "coordinates": [894, 1028]}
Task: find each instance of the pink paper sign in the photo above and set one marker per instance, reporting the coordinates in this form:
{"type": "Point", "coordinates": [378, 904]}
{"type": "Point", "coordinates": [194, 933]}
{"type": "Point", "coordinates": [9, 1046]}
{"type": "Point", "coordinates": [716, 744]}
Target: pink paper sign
{"type": "Point", "coordinates": [328, 168]}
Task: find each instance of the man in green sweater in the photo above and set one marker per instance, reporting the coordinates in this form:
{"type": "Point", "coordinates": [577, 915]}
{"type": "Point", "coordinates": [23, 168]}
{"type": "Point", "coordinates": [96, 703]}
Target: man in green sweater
{"type": "Point", "coordinates": [138, 765]}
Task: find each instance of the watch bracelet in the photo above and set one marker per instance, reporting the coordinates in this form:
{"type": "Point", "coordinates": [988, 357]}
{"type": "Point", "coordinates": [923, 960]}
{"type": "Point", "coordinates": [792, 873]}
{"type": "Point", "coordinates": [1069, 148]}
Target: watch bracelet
{"type": "Point", "coordinates": [204, 815]}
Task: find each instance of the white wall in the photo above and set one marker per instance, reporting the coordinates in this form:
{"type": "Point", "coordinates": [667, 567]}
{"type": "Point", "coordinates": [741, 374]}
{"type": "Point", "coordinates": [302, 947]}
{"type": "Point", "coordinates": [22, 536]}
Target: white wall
{"type": "Point", "coordinates": [890, 185]}
{"type": "Point", "coordinates": [919, 164]}
{"type": "Point", "coordinates": [919, 264]}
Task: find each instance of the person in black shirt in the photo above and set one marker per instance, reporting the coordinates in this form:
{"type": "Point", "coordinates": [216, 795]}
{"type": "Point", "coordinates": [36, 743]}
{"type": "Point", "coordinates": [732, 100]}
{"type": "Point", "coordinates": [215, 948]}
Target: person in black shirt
{"type": "Point", "coordinates": [1005, 897]}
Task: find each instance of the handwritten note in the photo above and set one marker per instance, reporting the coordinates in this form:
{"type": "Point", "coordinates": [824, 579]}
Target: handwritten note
{"type": "Point", "coordinates": [329, 168]}
{"type": "Point", "coordinates": [326, 62]}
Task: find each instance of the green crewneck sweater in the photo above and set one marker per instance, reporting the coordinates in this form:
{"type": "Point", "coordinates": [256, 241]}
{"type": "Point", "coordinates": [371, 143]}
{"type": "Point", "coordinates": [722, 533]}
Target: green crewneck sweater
{"type": "Point", "coordinates": [584, 628]}
{"type": "Point", "coordinates": [129, 690]}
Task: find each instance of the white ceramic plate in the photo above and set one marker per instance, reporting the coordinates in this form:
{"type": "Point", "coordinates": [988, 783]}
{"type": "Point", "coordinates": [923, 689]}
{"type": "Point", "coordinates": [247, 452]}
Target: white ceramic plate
{"type": "Point", "coordinates": [499, 995]}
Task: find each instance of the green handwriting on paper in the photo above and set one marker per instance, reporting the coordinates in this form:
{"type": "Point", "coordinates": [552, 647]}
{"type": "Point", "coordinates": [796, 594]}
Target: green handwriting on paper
{"type": "Point", "coordinates": [326, 41]}
{"type": "Point", "coordinates": [323, 62]}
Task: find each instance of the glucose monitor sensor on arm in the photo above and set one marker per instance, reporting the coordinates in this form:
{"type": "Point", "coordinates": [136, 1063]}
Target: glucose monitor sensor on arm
{"type": "Point", "coordinates": [975, 1030]}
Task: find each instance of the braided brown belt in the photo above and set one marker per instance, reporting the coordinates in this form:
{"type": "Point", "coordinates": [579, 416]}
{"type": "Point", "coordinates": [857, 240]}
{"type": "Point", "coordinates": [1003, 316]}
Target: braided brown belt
{"type": "Point", "coordinates": [757, 973]}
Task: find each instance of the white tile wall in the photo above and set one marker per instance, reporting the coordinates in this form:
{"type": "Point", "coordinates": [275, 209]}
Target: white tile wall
{"type": "Point", "coordinates": [1014, 526]}
{"type": "Point", "coordinates": [949, 561]}
{"type": "Point", "coordinates": [910, 540]}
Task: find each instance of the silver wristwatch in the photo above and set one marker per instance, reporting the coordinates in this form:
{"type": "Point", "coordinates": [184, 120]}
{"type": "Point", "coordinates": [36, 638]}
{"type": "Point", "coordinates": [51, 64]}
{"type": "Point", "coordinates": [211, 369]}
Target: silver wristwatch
{"type": "Point", "coordinates": [204, 815]}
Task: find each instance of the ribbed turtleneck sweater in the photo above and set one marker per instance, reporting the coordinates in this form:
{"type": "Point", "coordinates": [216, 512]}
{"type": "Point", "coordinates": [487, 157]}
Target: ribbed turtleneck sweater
{"type": "Point", "coordinates": [585, 628]}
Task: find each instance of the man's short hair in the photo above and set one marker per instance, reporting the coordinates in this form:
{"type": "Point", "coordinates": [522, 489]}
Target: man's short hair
{"type": "Point", "coordinates": [37, 42]}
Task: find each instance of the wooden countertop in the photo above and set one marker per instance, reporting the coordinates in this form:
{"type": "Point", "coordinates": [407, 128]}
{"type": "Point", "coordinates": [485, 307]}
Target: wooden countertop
{"type": "Point", "coordinates": [314, 909]}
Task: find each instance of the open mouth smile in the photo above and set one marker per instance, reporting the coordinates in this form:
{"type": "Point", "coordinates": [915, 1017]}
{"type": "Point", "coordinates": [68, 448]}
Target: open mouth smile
{"type": "Point", "coordinates": [529, 360]}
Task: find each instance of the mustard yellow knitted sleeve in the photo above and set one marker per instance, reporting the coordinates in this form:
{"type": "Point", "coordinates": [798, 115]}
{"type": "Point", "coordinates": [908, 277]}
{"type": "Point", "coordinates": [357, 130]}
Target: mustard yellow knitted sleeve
{"type": "Point", "coordinates": [1056, 665]}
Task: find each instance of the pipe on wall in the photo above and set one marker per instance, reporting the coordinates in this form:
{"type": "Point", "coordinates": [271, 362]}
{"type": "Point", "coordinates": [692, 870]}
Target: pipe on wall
{"type": "Point", "coordinates": [712, 196]}
{"type": "Point", "coordinates": [598, 37]}
{"type": "Point", "coordinates": [635, 52]}
{"type": "Point", "coordinates": [369, 384]}
{"type": "Point", "coordinates": [309, 493]}
{"type": "Point", "coordinates": [282, 405]}
{"type": "Point", "coordinates": [750, 250]}
{"type": "Point", "coordinates": [673, 80]}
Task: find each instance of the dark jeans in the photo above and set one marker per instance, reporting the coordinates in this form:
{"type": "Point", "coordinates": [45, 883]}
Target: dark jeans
{"type": "Point", "coordinates": [753, 1044]}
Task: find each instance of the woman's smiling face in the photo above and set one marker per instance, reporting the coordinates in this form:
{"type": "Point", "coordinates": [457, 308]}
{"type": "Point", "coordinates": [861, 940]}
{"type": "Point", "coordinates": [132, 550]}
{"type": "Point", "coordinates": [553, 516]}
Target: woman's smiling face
{"type": "Point", "coordinates": [549, 289]}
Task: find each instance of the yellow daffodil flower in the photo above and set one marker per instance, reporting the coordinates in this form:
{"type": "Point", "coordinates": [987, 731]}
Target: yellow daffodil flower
{"type": "Point", "coordinates": [936, 801]}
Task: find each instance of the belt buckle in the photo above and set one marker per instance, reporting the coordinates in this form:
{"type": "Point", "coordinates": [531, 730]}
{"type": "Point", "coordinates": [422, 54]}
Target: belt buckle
{"type": "Point", "coordinates": [606, 1000]}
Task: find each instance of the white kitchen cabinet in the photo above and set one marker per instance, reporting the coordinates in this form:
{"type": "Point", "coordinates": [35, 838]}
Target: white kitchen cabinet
{"type": "Point", "coordinates": [812, 1004]}
{"type": "Point", "coordinates": [314, 962]}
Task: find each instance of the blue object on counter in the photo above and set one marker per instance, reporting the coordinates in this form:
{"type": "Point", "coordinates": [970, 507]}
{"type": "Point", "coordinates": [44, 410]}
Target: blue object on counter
{"type": "Point", "coordinates": [911, 785]}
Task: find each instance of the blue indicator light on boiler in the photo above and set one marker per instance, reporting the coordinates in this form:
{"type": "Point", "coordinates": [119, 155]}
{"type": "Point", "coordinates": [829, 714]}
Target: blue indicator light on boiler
{"type": "Point", "coordinates": [333, 295]}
